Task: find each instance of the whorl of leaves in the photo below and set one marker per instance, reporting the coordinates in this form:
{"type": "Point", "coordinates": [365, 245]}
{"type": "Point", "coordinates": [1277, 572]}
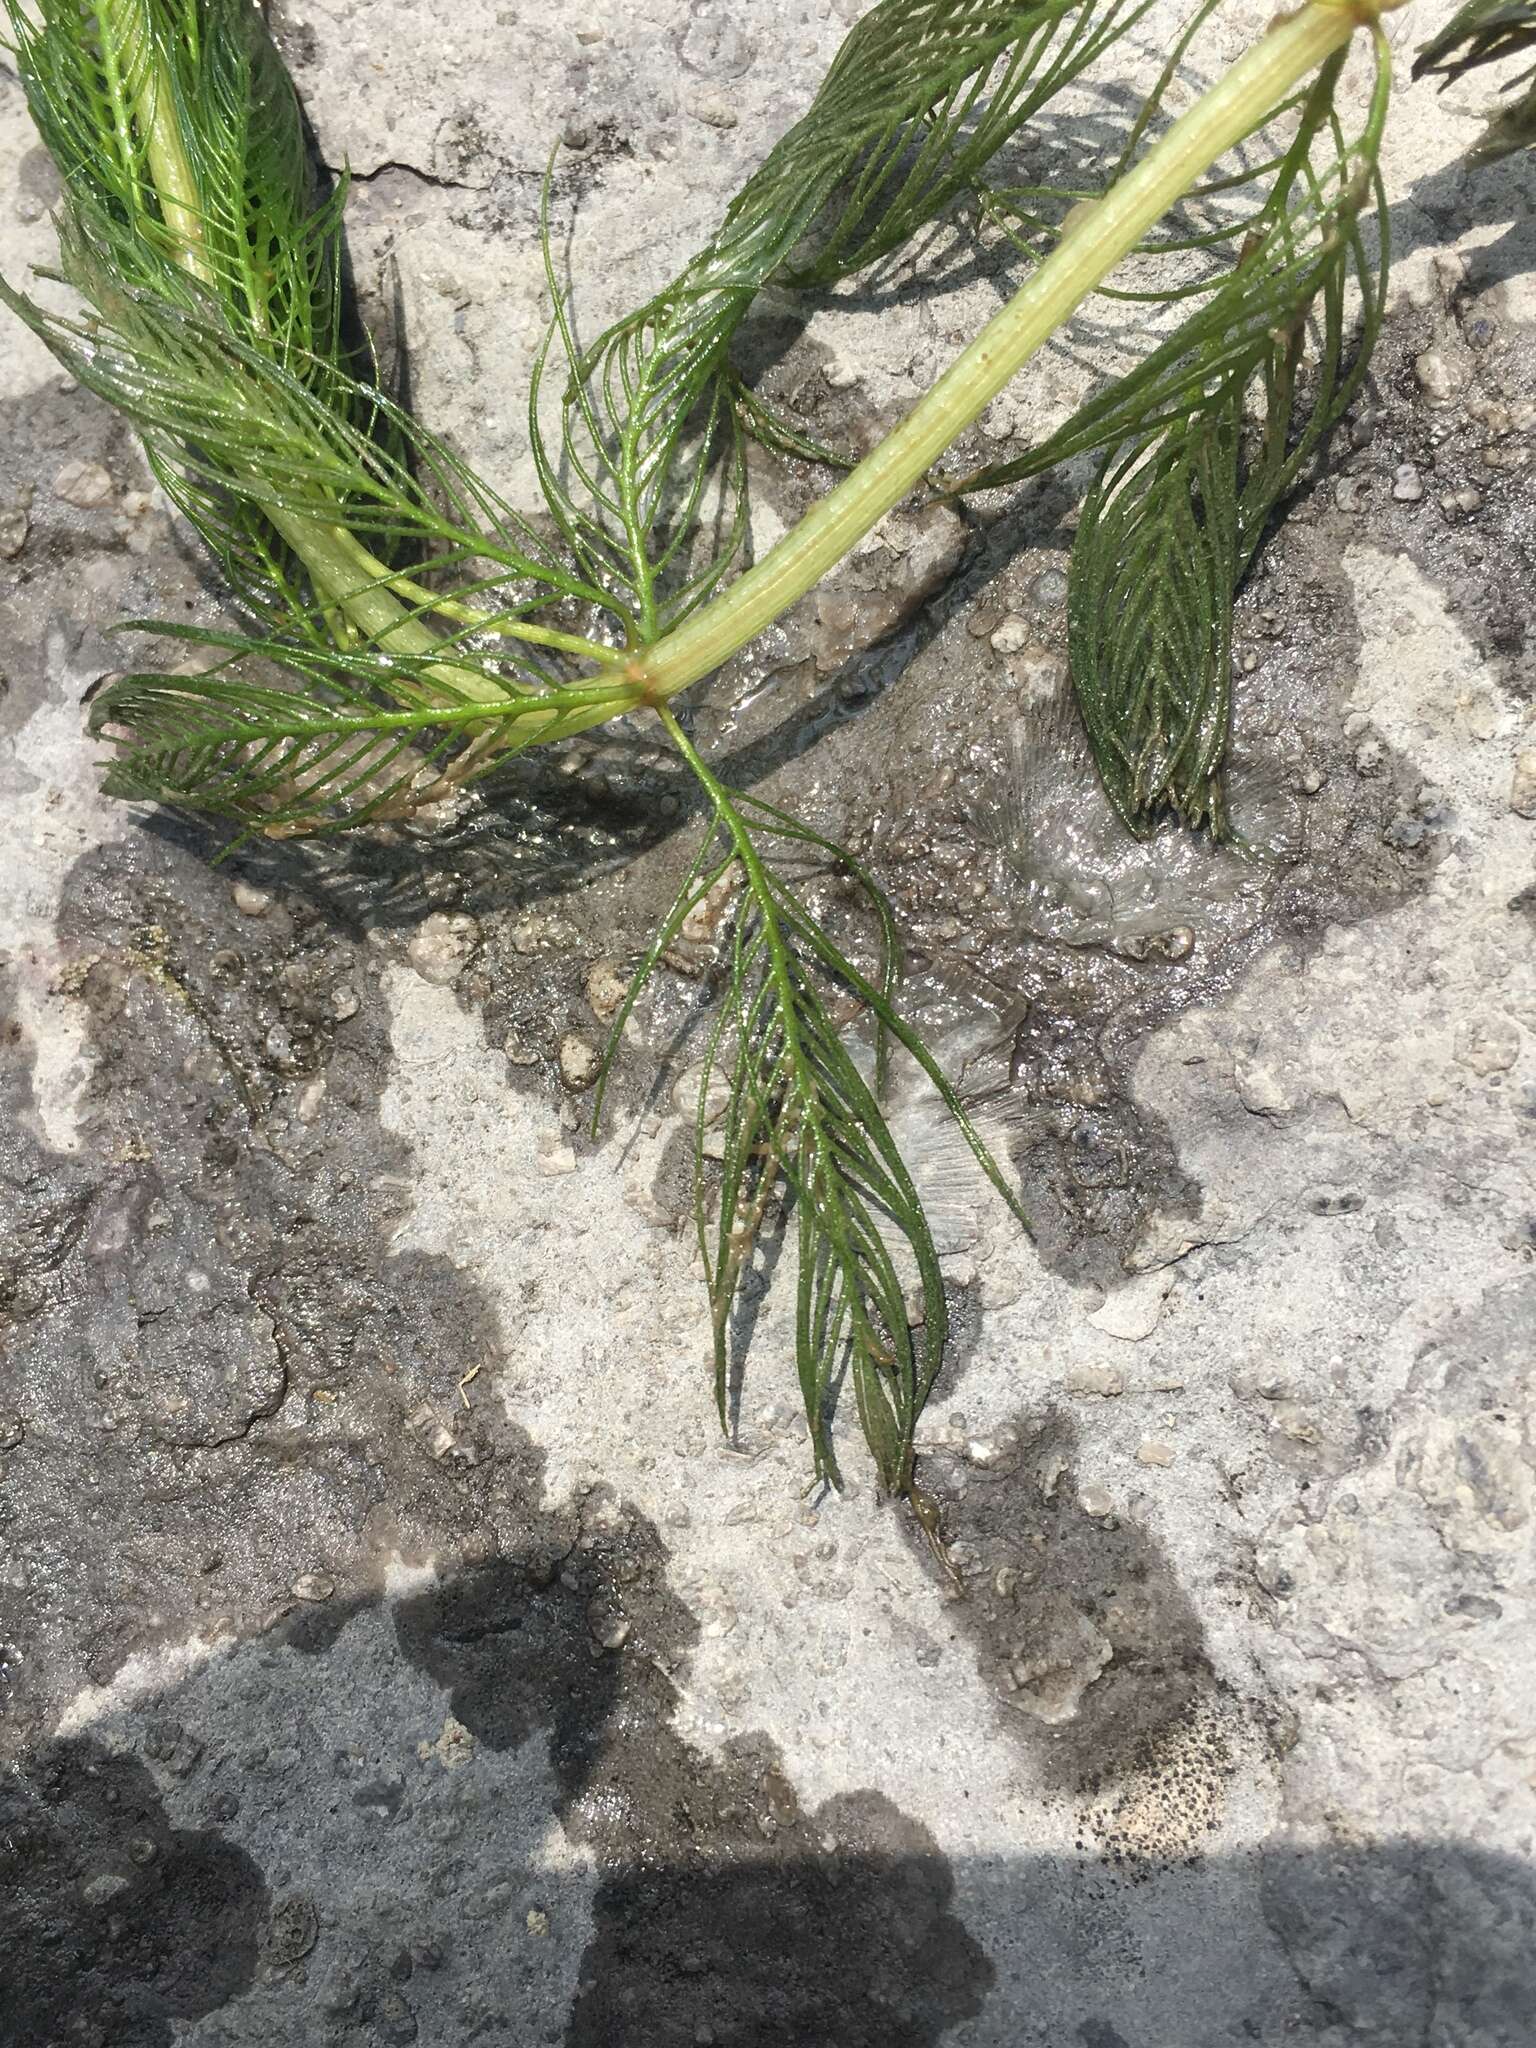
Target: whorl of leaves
{"type": "Point", "coordinates": [796, 1120]}
{"type": "Point", "coordinates": [1199, 444]}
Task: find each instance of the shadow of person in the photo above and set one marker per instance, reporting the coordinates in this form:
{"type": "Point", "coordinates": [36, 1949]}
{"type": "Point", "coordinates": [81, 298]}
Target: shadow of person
{"type": "Point", "coordinates": [115, 1924]}
{"type": "Point", "coordinates": [488, 1812]}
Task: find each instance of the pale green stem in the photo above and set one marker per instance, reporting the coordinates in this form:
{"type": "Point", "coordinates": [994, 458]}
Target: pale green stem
{"type": "Point", "coordinates": [335, 559]}
{"type": "Point", "coordinates": [478, 621]}
{"type": "Point", "coordinates": [1105, 231]}
{"type": "Point", "coordinates": [169, 165]}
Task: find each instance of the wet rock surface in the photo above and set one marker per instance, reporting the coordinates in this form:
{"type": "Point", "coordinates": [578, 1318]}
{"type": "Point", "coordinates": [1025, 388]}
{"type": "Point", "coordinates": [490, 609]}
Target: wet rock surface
{"type": "Point", "coordinates": [389, 1651]}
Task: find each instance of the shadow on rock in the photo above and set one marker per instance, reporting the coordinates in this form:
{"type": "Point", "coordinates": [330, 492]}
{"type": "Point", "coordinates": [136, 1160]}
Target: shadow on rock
{"type": "Point", "coordinates": [115, 1924]}
{"type": "Point", "coordinates": [471, 1815]}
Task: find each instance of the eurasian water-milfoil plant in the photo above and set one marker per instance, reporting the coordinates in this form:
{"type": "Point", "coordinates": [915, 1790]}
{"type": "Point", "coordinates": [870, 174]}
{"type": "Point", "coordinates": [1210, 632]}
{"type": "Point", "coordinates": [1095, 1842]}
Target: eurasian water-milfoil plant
{"type": "Point", "coordinates": [408, 631]}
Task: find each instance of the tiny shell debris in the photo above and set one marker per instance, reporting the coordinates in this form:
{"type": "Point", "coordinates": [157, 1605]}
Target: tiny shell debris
{"type": "Point", "coordinates": [249, 900]}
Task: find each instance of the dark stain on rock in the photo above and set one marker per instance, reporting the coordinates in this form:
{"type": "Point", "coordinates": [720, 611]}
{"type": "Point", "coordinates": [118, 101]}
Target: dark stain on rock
{"type": "Point", "coordinates": [199, 1304]}
{"type": "Point", "coordinates": [1084, 1636]}
{"type": "Point", "coordinates": [1100, 2034]}
{"type": "Point", "coordinates": [114, 1924]}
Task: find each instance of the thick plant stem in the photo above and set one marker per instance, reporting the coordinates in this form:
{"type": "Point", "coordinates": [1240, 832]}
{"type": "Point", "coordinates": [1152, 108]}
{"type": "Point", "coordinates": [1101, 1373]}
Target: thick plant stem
{"type": "Point", "coordinates": [1106, 231]}
{"type": "Point", "coordinates": [346, 575]}
{"type": "Point", "coordinates": [170, 168]}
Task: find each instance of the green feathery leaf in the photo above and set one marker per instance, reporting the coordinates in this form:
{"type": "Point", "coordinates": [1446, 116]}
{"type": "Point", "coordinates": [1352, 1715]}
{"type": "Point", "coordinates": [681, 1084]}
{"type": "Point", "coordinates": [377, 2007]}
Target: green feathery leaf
{"type": "Point", "coordinates": [1200, 443]}
{"type": "Point", "coordinates": [327, 754]}
{"type": "Point", "coordinates": [921, 95]}
{"type": "Point", "coordinates": [798, 1121]}
{"type": "Point", "coordinates": [375, 560]}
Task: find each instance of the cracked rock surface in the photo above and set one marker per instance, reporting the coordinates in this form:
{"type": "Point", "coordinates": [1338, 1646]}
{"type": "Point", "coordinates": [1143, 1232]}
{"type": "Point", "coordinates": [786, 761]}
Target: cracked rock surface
{"type": "Point", "coordinates": [390, 1649]}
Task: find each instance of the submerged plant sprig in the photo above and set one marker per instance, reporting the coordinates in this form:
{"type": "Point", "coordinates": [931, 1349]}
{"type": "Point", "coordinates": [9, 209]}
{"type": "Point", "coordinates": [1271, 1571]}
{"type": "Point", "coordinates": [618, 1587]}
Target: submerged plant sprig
{"type": "Point", "coordinates": [410, 631]}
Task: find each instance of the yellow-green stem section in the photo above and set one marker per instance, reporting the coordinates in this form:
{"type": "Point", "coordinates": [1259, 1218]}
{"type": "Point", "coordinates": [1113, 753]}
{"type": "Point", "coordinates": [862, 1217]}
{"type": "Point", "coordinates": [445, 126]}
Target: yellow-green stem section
{"type": "Point", "coordinates": [169, 165]}
{"type": "Point", "coordinates": [336, 560]}
{"type": "Point", "coordinates": [1108, 230]}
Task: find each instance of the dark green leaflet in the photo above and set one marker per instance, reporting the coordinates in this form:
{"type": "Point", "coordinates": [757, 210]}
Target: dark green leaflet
{"type": "Point", "coordinates": [800, 1121]}
{"type": "Point", "coordinates": [1200, 443]}
{"type": "Point", "coordinates": [324, 755]}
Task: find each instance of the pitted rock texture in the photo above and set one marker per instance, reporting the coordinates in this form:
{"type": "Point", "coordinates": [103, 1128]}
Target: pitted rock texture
{"type": "Point", "coordinates": [390, 1650]}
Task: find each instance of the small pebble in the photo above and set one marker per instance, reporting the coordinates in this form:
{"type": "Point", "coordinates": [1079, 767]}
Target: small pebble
{"type": "Point", "coordinates": [440, 947]}
{"type": "Point", "coordinates": [1175, 944]}
{"type": "Point", "coordinates": [579, 1060]}
{"type": "Point", "coordinates": [96, 1891]}
{"type": "Point", "coordinates": [607, 986]}
{"type": "Point", "coordinates": [85, 484]}
{"type": "Point", "coordinates": [312, 1100]}
{"type": "Point", "coordinates": [1150, 1452]}
{"type": "Point", "coordinates": [249, 901]}
{"type": "Point", "coordinates": [1406, 487]}
{"type": "Point", "coordinates": [314, 1586]}
{"type": "Point", "coordinates": [537, 1922]}
{"type": "Point", "coordinates": [12, 1430]}
{"type": "Point", "coordinates": [1011, 637]}
{"type": "Point", "coordinates": [1434, 377]}
{"type": "Point", "coordinates": [14, 528]}
{"type": "Point", "coordinates": [713, 111]}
